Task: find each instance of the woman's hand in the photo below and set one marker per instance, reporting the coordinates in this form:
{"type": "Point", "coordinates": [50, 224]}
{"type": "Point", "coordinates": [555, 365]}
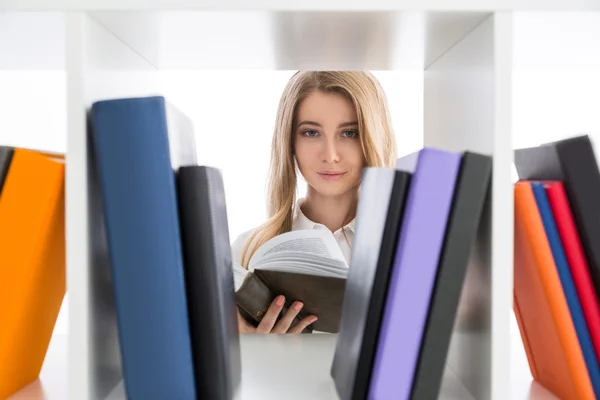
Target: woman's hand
{"type": "Point", "coordinates": [269, 322]}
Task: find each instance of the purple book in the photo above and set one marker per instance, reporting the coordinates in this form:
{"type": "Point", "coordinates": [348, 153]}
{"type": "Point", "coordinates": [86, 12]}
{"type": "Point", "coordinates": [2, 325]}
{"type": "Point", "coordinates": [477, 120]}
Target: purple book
{"type": "Point", "coordinates": [414, 271]}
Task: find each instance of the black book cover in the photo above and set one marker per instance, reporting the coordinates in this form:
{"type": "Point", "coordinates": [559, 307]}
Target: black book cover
{"type": "Point", "coordinates": [469, 200]}
{"type": "Point", "coordinates": [573, 162]}
{"type": "Point", "coordinates": [379, 215]}
{"type": "Point", "coordinates": [6, 153]}
{"type": "Point", "coordinates": [209, 282]}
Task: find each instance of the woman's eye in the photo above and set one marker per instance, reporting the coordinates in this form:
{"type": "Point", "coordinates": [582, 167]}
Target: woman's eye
{"type": "Point", "coordinates": [350, 134]}
{"type": "Point", "coordinates": [311, 133]}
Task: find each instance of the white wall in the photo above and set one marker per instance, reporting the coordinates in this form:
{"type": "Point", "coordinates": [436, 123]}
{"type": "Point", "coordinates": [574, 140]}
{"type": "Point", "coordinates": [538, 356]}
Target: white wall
{"type": "Point", "coordinates": [32, 110]}
{"type": "Point", "coordinates": [550, 105]}
{"type": "Point", "coordinates": [554, 104]}
{"type": "Point", "coordinates": [234, 115]}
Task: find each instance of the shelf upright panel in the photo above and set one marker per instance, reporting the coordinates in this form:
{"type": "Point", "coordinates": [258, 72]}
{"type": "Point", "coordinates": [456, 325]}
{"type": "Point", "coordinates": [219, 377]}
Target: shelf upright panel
{"type": "Point", "coordinates": [99, 66]}
{"type": "Point", "coordinates": [467, 102]}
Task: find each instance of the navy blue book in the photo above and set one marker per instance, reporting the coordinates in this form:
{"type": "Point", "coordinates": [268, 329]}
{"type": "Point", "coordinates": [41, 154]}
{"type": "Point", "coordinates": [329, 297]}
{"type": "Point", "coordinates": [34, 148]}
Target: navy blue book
{"type": "Point", "coordinates": [564, 272]}
{"type": "Point", "coordinates": [139, 144]}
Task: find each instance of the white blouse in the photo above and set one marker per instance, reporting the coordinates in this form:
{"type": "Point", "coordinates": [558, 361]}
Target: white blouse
{"type": "Point", "coordinates": [301, 221]}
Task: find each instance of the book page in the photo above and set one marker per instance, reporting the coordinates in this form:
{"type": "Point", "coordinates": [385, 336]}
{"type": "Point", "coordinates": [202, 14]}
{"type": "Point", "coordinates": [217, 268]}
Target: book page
{"type": "Point", "coordinates": [239, 274]}
{"type": "Point", "coordinates": [302, 245]}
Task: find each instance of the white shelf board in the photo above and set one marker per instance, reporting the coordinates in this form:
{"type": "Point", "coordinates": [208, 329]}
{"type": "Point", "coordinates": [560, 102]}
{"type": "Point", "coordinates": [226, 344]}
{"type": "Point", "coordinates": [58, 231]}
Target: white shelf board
{"type": "Point", "coordinates": [289, 40]}
{"type": "Point", "coordinates": [290, 365]}
{"type": "Point", "coordinates": [278, 365]}
{"type": "Point", "coordinates": [32, 40]}
{"type": "Point", "coordinates": [298, 367]}
{"type": "Point", "coordinates": [306, 5]}
{"type": "Point", "coordinates": [52, 381]}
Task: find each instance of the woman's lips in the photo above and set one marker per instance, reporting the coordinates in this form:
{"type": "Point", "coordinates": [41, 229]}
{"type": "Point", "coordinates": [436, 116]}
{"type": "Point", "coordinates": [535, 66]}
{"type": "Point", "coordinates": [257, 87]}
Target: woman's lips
{"type": "Point", "coordinates": [331, 176]}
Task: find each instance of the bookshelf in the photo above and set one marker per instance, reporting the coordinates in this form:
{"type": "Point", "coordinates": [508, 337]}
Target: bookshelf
{"type": "Point", "coordinates": [53, 378]}
{"type": "Point", "coordinates": [113, 48]}
{"type": "Point", "coordinates": [330, 5]}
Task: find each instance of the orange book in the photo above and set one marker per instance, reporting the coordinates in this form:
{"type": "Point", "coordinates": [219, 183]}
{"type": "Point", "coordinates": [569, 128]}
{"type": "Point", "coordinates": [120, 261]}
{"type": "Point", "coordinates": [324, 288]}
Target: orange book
{"type": "Point", "coordinates": [32, 264]}
{"type": "Point", "coordinates": [549, 337]}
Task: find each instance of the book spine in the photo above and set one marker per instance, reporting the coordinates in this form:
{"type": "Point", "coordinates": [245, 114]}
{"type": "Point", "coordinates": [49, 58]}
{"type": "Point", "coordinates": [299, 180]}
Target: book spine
{"type": "Point", "coordinates": [32, 265]}
{"type": "Point", "coordinates": [142, 226]}
{"type": "Point", "coordinates": [6, 155]}
{"type": "Point", "coordinates": [545, 317]}
{"type": "Point", "coordinates": [569, 236]}
{"type": "Point", "coordinates": [461, 234]}
{"type": "Point", "coordinates": [582, 184]}
{"type": "Point", "coordinates": [415, 267]}
{"type": "Point", "coordinates": [209, 281]}
{"type": "Point", "coordinates": [568, 285]}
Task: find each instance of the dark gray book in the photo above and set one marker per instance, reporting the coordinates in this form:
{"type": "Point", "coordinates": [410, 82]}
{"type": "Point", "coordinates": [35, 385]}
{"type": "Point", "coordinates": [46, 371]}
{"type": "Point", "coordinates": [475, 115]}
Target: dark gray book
{"type": "Point", "coordinates": [379, 215]}
{"type": "Point", "coordinates": [209, 282]}
{"type": "Point", "coordinates": [6, 154]}
{"type": "Point", "coordinates": [573, 162]}
{"type": "Point", "coordinates": [468, 203]}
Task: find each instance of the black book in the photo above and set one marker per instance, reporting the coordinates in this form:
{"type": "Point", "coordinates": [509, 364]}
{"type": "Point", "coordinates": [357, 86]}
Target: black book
{"type": "Point", "coordinates": [573, 162]}
{"type": "Point", "coordinates": [210, 291]}
{"type": "Point", "coordinates": [379, 215]}
{"type": "Point", "coordinates": [6, 153]}
{"type": "Point", "coordinates": [468, 205]}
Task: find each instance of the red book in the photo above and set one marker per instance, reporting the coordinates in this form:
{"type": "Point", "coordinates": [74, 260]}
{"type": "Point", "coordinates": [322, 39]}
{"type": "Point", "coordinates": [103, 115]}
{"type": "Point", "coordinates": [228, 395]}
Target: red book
{"type": "Point", "coordinates": [578, 265]}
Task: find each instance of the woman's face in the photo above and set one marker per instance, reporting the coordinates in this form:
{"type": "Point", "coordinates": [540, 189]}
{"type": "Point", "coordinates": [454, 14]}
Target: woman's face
{"type": "Point", "coordinates": [327, 145]}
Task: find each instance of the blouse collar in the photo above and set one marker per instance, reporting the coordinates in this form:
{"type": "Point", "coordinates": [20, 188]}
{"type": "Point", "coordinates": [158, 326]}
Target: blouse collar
{"type": "Point", "coordinates": [301, 221]}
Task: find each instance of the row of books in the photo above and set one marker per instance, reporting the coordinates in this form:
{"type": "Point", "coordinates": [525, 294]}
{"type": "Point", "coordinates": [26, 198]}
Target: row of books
{"type": "Point", "coordinates": [410, 256]}
{"type": "Point", "coordinates": [395, 305]}
{"type": "Point", "coordinates": [172, 272]}
{"type": "Point", "coordinates": [416, 228]}
{"type": "Point", "coordinates": [166, 230]}
{"type": "Point", "coordinates": [168, 252]}
{"type": "Point", "coordinates": [173, 276]}
{"type": "Point", "coordinates": [557, 265]}
{"type": "Point", "coordinates": [32, 261]}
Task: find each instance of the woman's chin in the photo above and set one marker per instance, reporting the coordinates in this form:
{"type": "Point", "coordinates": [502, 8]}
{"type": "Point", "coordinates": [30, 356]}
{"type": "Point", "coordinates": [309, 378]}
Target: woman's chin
{"type": "Point", "coordinates": [332, 189]}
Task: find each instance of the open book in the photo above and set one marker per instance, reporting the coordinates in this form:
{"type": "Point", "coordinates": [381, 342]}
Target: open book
{"type": "Point", "coordinates": [303, 265]}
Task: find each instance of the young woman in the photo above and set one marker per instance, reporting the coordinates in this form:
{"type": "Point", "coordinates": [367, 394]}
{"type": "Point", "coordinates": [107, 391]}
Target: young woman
{"type": "Point", "coordinates": [329, 126]}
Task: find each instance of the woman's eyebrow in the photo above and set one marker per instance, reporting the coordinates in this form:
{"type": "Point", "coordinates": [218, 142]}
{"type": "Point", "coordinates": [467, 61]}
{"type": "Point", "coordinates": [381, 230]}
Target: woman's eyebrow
{"type": "Point", "coordinates": [342, 125]}
{"type": "Point", "coordinates": [309, 123]}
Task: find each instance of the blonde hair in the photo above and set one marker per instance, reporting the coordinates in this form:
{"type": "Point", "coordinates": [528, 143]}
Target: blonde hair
{"type": "Point", "coordinates": [375, 134]}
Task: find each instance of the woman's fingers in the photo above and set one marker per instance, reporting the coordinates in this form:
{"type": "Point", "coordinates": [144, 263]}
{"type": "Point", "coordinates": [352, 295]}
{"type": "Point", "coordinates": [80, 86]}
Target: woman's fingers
{"type": "Point", "coordinates": [268, 321]}
{"type": "Point", "coordinates": [284, 323]}
{"type": "Point", "coordinates": [243, 325]}
{"type": "Point", "coordinates": [302, 324]}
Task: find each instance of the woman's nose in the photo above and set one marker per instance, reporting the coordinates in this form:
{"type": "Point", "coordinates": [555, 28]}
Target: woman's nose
{"type": "Point", "coordinates": [330, 152]}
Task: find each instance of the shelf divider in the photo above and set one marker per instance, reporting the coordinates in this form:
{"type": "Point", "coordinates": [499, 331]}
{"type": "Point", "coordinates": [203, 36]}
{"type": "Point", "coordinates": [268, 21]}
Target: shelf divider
{"type": "Point", "coordinates": [467, 107]}
{"type": "Point", "coordinates": [99, 66]}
